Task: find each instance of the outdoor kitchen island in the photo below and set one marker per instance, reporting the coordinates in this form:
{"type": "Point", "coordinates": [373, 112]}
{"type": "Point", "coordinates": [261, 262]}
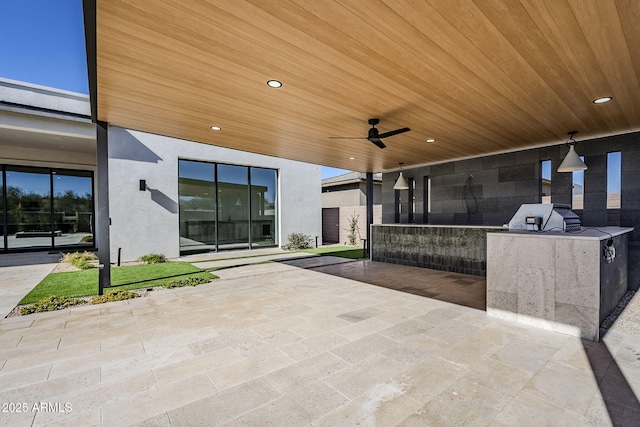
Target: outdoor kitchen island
{"type": "Point", "coordinates": [563, 281]}
{"type": "Point", "coordinates": [455, 248]}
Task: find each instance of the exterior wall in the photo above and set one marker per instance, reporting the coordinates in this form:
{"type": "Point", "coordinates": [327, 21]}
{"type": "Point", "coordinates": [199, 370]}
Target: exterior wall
{"type": "Point", "coordinates": [47, 158]}
{"type": "Point", "coordinates": [347, 212]}
{"type": "Point", "coordinates": [350, 195]}
{"type": "Point", "coordinates": [351, 199]}
{"type": "Point", "coordinates": [499, 184]}
{"type": "Point", "coordinates": [145, 222]}
{"type": "Point", "coordinates": [377, 193]}
{"type": "Point", "coordinates": [55, 132]}
{"type": "Point", "coordinates": [333, 199]}
{"type": "Point", "coordinates": [52, 99]}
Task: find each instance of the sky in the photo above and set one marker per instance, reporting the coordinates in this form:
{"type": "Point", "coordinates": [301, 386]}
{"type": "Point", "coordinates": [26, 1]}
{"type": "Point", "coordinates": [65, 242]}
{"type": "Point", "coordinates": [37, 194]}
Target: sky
{"type": "Point", "coordinates": [42, 42]}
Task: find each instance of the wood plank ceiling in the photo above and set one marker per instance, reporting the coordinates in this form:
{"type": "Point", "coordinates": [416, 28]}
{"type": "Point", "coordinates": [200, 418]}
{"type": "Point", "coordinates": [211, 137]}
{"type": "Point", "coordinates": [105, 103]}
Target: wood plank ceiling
{"type": "Point", "coordinates": [480, 77]}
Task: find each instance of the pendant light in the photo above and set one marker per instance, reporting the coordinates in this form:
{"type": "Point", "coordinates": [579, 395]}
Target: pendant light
{"type": "Point", "coordinates": [401, 183]}
{"type": "Point", "coordinates": [572, 162]}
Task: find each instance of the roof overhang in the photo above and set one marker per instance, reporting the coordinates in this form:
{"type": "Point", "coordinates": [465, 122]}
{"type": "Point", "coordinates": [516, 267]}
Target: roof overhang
{"type": "Point", "coordinates": [479, 77]}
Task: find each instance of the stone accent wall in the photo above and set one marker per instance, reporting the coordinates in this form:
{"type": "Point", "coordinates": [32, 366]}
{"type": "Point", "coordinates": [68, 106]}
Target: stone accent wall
{"type": "Point", "coordinates": [489, 190]}
{"type": "Point", "coordinates": [455, 249]}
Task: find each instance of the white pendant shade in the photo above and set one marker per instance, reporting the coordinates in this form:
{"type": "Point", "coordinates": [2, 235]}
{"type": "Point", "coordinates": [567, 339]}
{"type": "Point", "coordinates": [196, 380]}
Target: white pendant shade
{"type": "Point", "coordinates": [401, 183]}
{"type": "Point", "coordinates": [572, 162]}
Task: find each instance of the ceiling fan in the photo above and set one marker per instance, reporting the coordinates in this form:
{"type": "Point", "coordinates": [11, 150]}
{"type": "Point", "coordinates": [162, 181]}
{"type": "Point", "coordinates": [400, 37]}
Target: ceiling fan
{"type": "Point", "coordinates": [374, 135]}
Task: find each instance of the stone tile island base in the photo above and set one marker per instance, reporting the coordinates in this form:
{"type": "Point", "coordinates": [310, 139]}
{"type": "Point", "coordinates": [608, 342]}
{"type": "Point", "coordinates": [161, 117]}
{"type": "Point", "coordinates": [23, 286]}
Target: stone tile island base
{"type": "Point", "coordinates": [459, 249]}
{"type": "Point", "coordinates": [556, 280]}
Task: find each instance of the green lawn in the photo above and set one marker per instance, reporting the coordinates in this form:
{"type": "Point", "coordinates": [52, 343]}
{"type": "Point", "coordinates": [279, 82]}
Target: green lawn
{"type": "Point", "coordinates": [341, 251]}
{"type": "Point", "coordinates": [85, 282]}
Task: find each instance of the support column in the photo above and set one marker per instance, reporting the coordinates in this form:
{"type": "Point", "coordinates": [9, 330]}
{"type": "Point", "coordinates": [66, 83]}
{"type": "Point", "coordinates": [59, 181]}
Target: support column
{"type": "Point", "coordinates": [369, 190]}
{"type": "Point", "coordinates": [103, 220]}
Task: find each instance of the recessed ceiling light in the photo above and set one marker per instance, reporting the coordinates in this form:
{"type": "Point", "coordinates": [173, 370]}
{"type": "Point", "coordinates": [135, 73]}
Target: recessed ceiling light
{"type": "Point", "coordinates": [274, 83]}
{"type": "Point", "coordinates": [216, 128]}
{"type": "Point", "coordinates": [430, 140]}
{"type": "Point", "coordinates": [602, 100]}
{"type": "Point", "coordinates": [352, 158]}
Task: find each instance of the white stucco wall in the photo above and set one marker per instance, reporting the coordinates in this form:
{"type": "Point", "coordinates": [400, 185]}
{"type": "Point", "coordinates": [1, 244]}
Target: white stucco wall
{"type": "Point", "coordinates": [30, 94]}
{"type": "Point", "coordinates": [333, 199]}
{"type": "Point", "coordinates": [145, 222]}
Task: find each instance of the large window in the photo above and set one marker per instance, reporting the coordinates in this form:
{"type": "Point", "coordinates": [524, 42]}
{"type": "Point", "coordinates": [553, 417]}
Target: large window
{"type": "Point", "coordinates": [197, 201]}
{"type": "Point", "coordinates": [545, 181]}
{"type": "Point", "coordinates": [233, 201]}
{"type": "Point", "coordinates": [263, 206]}
{"type": "Point", "coordinates": [614, 179]}
{"type": "Point", "coordinates": [72, 208]}
{"type": "Point", "coordinates": [2, 215]}
{"type": "Point", "coordinates": [226, 206]}
{"type": "Point", "coordinates": [426, 201]}
{"type": "Point", "coordinates": [45, 208]}
{"type": "Point", "coordinates": [577, 189]}
{"type": "Point", "coordinates": [411, 202]}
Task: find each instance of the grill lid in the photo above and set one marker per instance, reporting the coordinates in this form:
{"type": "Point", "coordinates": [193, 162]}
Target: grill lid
{"type": "Point", "coordinates": [545, 216]}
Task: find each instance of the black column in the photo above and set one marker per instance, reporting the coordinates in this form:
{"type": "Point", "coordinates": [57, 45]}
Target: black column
{"type": "Point", "coordinates": [369, 189]}
{"type": "Point", "coordinates": [90, 43]}
{"type": "Point", "coordinates": [103, 221]}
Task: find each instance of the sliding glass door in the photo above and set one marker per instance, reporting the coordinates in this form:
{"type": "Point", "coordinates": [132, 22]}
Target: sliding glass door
{"type": "Point", "coordinates": [41, 208]}
{"type": "Point", "coordinates": [3, 229]}
{"type": "Point", "coordinates": [197, 202]}
{"type": "Point", "coordinates": [28, 208]}
{"type": "Point", "coordinates": [72, 208]}
{"type": "Point", "coordinates": [233, 199]}
{"type": "Point", "coordinates": [264, 189]}
{"type": "Point", "coordinates": [226, 206]}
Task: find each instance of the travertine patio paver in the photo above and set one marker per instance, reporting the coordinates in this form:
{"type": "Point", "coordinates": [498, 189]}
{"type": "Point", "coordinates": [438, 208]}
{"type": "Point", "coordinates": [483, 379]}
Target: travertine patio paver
{"type": "Point", "coordinates": [291, 346]}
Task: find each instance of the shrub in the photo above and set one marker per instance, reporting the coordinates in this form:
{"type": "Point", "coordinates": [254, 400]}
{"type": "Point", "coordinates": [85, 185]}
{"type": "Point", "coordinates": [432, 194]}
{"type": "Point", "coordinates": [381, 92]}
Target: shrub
{"type": "Point", "coordinates": [153, 258]}
{"type": "Point", "coordinates": [109, 296]}
{"type": "Point", "coordinates": [51, 303]}
{"type": "Point", "coordinates": [80, 260]}
{"type": "Point", "coordinates": [354, 230]}
{"type": "Point", "coordinates": [87, 239]}
{"type": "Point", "coordinates": [190, 281]}
{"type": "Point", "coordinates": [297, 241]}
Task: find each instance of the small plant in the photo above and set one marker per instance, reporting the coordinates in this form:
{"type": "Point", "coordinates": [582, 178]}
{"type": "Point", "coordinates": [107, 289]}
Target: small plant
{"type": "Point", "coordinates": [118, 295]}
{"type": "Point", "coordinates": [51, 303]}
{"type": "Point", "coordinates": [87, 239]}
{"type": "Point", "coordinates": [79, 260]}
{"type": "Point", "coordinates": [153, 258]}
{"type": "Point", "coordinates": [190, 281]}
{"type": "Point", "coordinates": [353, 229]}
{"type": "Point", "coordinates": [297, 241]}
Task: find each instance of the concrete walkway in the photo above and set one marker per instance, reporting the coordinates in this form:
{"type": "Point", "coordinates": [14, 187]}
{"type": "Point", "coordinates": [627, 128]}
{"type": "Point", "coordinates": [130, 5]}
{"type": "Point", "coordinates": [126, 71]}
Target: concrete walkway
{"type": "Point", "coordinates": [234, 259]}
{"type": "Point", "coordinates": [296, 347]}
{"type": "Point", "coordinates": [19, 273]}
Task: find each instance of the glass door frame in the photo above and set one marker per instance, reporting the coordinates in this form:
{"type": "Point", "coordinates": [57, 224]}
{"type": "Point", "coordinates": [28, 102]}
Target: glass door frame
{"type": "Point", "coordinates": [249, 204]}
{"type": "Point", "coordinates": [51, 173]}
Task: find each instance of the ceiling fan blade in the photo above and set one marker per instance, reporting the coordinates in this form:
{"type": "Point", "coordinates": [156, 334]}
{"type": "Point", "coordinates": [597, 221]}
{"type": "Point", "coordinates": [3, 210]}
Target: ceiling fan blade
{"type": "Point", "coordinates": [393, 132]}
{"type": "Point", "coordinates": [378, 142]}
{"type": "Point", "coordinates": [347, 137]}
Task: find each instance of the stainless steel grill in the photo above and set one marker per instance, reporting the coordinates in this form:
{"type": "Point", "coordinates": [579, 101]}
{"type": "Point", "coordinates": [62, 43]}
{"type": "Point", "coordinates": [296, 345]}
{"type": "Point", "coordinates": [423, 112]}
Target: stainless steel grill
{"type": "Point", "coordinates": [545, 217]}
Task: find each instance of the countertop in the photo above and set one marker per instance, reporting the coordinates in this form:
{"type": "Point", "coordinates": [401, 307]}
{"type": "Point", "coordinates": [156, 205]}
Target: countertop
{"type": "Point", "coordinates": [589, 233]}
{"type": "Point", "coordinates": [440, 226]}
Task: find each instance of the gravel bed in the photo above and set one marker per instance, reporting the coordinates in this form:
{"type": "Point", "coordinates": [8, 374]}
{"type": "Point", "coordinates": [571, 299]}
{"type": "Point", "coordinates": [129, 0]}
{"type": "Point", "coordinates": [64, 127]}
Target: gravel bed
{"type": "Point", "coordinates": [610, 319]}
{"type": "Point", "coordinates": [142, 292]}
